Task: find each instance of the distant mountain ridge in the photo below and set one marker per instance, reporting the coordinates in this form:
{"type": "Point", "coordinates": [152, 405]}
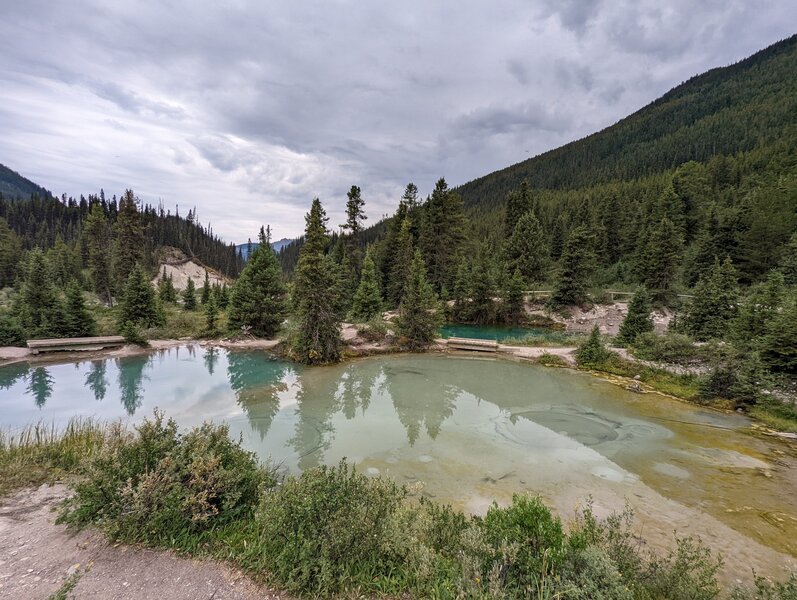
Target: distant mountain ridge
{"type": "Point", "coordinates": [14, 186]}
{"type": "Point", "coordinates": [277, 246]}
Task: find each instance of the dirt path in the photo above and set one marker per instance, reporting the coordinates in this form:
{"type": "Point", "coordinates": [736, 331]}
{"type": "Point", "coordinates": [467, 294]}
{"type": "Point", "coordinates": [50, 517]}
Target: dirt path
{"type": "Point", "coordinates": [37, 557]}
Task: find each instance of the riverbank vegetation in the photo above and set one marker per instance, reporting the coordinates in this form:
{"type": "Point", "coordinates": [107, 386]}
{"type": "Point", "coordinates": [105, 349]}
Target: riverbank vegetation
{"type": "Point", "coordinates": [334, 531]}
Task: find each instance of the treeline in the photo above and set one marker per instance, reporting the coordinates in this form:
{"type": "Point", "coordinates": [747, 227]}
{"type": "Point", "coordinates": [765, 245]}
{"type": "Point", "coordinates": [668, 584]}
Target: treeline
{"type": "Point", "coordinates": [44, 221]}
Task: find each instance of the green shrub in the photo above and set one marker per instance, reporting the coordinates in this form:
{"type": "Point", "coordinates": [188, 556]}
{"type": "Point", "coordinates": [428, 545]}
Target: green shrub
{"type": "Point", "coordinates": [592, 351]}
{"type": "Point", "coordinates": [164, 487]}
{"type": "Point", "coordinates": [672, 348]}
{"type": "Point", "coordinates": [326, 528]}
{"type": "Point", "coordinates": [374, 330]}
{"type": "Point", "coordinates": [590, 574]}
{"type": "Point", "coordinates": [528, 542]}
{"type": "Point", "coordinates": [11, 331]}
{"type": "Point", "coordinates": [551, 360]}
{"type": "Point", "coordinates": [687, 573]}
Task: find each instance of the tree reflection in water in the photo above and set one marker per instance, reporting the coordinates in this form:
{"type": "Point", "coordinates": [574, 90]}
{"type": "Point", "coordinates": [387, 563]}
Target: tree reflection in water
{"type": "Point", "coordinates": [40, 385]}
{"type": "Point", "coordinates": [419, 401]}
{"type": "Point", "coordinates": [257, 381]}
{"type": "Point", "coordinates": [131, 381]}
{"type": "Point", "coordinates": [96, 380]}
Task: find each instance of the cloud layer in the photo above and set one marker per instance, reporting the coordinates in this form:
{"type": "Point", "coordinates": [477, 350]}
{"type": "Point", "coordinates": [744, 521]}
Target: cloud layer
{"type": "Point", "coordinates": [248, 110]}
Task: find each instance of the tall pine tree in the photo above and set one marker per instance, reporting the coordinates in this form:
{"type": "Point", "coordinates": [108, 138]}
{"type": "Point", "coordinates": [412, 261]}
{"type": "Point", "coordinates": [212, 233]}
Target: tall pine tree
{"type": "Point", "coordinates": [420, 314]}
{"type": "Point", "coordinates": [318, 321]}
{"type": "Point", "coordinates": [367, 302]}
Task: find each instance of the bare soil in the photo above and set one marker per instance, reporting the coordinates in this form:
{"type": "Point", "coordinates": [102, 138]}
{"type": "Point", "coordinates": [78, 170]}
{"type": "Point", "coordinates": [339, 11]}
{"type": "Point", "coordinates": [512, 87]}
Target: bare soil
{"type": "Point", "coordinates": [37, 557]}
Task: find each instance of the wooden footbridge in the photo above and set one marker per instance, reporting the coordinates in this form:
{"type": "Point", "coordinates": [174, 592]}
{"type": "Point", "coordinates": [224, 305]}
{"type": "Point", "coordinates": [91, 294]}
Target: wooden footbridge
{"type": "Point", "coordinates": [456, 343]}
{"type": "Point", "coordinates": [75, 344]}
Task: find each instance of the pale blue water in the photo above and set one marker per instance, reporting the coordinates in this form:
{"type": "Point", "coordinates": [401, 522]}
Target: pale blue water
{"type": "Point", "coordinates": [501, 333]}
{"type": "Point", "coordinates": [473, 429]}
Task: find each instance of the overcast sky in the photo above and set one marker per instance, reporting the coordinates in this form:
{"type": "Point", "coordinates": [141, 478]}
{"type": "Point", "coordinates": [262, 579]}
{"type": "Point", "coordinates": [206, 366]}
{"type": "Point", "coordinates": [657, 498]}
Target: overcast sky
{"type": "Point", "coordinates": [248, 110]}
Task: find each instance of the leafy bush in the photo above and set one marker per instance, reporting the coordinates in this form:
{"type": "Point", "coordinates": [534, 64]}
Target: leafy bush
{"type": "Point", "coordinates": [551, 360]}
{"type": "Point", "coordinates": [162, 487]}
{"type": "Point", "coordinates": [327, 526]}
{"type": "Point", "coordinates": [374, 330]}
{"type": "Point", "coordinates": [673, 348]}
{"type": "Point", "coordinates": [526, 540]}
{"type": "Point", "coordinates": [11, 331]}
{"type": "Point", "coordinates": [592, 351]}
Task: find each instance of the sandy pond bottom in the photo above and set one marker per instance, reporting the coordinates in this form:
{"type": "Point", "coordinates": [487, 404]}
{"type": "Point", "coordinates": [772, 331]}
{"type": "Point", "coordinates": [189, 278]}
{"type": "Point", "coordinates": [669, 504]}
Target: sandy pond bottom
{"type": "Point", "coordinates": [469, 431]}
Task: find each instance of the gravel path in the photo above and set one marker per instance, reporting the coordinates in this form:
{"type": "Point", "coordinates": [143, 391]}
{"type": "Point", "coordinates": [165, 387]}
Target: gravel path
{"type": "Point", "coordinates": [37, 557]}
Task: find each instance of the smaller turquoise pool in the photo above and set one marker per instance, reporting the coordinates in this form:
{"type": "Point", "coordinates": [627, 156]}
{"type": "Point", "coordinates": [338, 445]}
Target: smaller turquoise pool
{"type": "Point", "coordinates": [501, 333]}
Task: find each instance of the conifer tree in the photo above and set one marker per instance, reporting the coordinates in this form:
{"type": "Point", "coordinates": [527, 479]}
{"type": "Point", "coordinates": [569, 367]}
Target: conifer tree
{"type": "Point", "coordinates": [779, 345]}
{"type": "Point", "coordinates": [592, 351]}
{"type": "Point", "coordinates": [527, 250]}
{"type": "Point", "coordinates": [788, 264]}
{"type": "Point", "coordinates": [211, 314]}
{"type": "Point", "coordinates": [318, 336]}
{"type": "Point", "coordinates": [518, 204]}
{"type": "Point", "coordinates": [482, 289]}
{"type": "Point", "coordinates": [189, 295]}
{"type": "Point", "coordinates": [258, 298]}
{"type": "Point", "coordinates": [638, 320]}
{"type": "Point", "coordinates": [79, 321]}
{"type": "Point", "coordinates": [658, 262]}
{"type": "Point", "coordinates": [461, 311]}
{"type": "Point", "coordinates": [224, 296]}
{"type": "Point", "coordinates": [129, 239]}
{"type": "Point", "coordinates": [10, 254]}
{"type": "Point", "coordinates": [442, 235]}
{"type": "Point", "coordinates": [166, 291]}
{"type": "Point", "coordinates": [138, 304]}
{"type": "Point", "coordinates": [575, 269]}
{"type": "Point", "coordinates": [761, 306]}
{"type": "Point", "coordinates": [345, 281]}
{"type": "Point", "coordinates": [38, 306]}
{"type": "Point", "coordinates": [403, 255]}
{"type": "Point", "coordinates": [514, 299]}
{"type": "Point", "coordinates": [367, 301]}
{"type": "Point", "coordinates": [355, 215]}
{"type": "Point", "coordinates": [98, 243]}
{"type": "Point", "coordinates": [715, 303]}
{"type": "Point", "coordinates": [419, 314]}
{"type": "Point", "coordinates": [205, 295]}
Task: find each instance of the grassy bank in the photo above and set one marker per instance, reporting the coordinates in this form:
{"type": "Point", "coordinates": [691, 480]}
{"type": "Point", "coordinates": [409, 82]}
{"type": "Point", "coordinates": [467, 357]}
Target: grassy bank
{"type": "Point", "coordinates": [334, 532]}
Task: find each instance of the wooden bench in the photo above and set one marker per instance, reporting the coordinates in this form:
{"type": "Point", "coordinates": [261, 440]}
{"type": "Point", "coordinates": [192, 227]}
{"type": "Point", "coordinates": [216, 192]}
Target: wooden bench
{"type": "Point", "coordinates": [471, 344]}
{"type": "Point", "coordinates": [75, 344]}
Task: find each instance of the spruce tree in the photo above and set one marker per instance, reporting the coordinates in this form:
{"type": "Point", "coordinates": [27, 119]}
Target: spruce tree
{"type": "Point", "coordinates": [638, 320]}
{"type": "Point", "coordinates": [258, 298]}
{"type": "Point", "coordinates": [367, 302]}
{"type": "Point", "coordinates": [482, 288]}
{"type": "Point", "coordinates": [10, 254]}
{"type": "Point", "coordinates": [211, 315]}
{"type": "Point", "coordinates": [715, 303]}
{"type": "Point", "coordinates": [355, 215]}
{"type": "Point", "coordinates": [514, 299]}
{"type": "Point", "coordinates": [224, 296]}
{"type": "Point", "coordinates": [345, 281]}
{"type": "Point", "coordinates": [38, 306]}
{"type": "Point", "coordinates": [189, 295]}
{"type": "Point", "coordinates": [79, 321]}
{"type": "Point", "coordinates": [761, 306]}
{"type": "Point", "coordinates": [138, 304]}
{"type": "Point", "coordinates": [318, 336]}
{"type": "Point", "coordinates": [98, 244]}
{"type": "Point", "coordinates": [658, 262]}
{"type": "Point", "coordinates": [527, 250]}
{"type": "Point", "coordinates": [575, 269]}
{"type": "Point", "coordinates": [205, 295]}
{"type": "Point", "coordinates": [129, 239]}
{"type": "Point", "coordinates": [166, 291]}
{"type": "Point", "coordinates": [592, 351]}
{"type": "Point", "coordinates": [461, 310]}
{"type": "Point", "coordinates": [399, 272]}
{"type": "Point", "coordinates": [518, 204]}
{"type": "Point", "coordinates": [788, 263]}
{"type": "Point", "coordinates": [779, 344]}
{"type": "Point", "coordinates": [442, 235]}
{"type": "Point", "coordinates": [419, 314]}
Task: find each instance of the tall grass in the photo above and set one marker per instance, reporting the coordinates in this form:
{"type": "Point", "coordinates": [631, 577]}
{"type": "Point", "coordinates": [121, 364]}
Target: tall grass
{"type": "Point", "coordinates": [42, 451]}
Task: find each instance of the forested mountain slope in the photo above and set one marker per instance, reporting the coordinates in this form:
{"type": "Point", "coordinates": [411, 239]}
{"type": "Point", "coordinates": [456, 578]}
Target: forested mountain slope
{"type": "Point", "coordinates": [14, 185]}
{"type": "Point", "coordinates": [724, 111]}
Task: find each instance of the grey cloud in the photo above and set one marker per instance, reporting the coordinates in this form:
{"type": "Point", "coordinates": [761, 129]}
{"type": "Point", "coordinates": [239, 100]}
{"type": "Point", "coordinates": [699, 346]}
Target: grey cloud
{"type": "Point", "coordinates": [192, 102]}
